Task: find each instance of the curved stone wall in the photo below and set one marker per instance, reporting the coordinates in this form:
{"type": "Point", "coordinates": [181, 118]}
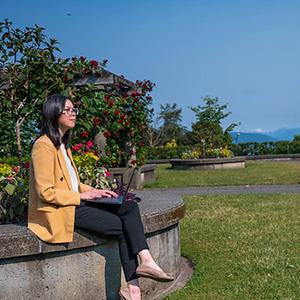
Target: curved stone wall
{"type": "Point", "coordinates": [208, 163]}
{"type": "Point", "coordinates": [89, 267]}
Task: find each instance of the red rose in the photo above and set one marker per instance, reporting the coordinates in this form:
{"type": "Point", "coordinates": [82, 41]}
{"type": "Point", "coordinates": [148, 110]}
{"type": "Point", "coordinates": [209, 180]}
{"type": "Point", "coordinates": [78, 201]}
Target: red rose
{"type": "Point", "coordinates": [117, 111]}
{"type": "Point", "coordinates": [142, 143]}
{"type": "Point", "coordinates": [106, 97]}
{"type": "Point", "coordinates": [97, 121]}
{"type": "Point", "coordinates": [27, 164]}
{"type": "Point", "coordinates": [82, 58]}
{"type": "Point", "coordinates": [16, 169]}
{"type": "Point", "coordinates": [93, 63]}
{"type": "Point", "coordinates": [134, 93]}
{"type": "Point", "coordinates": [111, 103]}
{"type": "Point", "coordinates": [84, 134]}
{"type": "Point", "coordinates": [120, 121]}
{"type": "Point", "coordinates": [107, 134]}
{"type": "Point", "coordinates": [126, 123]}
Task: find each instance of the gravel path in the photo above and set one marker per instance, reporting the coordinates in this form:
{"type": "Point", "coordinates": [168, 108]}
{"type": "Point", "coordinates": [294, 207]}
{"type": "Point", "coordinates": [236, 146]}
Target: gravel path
{"type": "Point", "coordinates": [219, 190]}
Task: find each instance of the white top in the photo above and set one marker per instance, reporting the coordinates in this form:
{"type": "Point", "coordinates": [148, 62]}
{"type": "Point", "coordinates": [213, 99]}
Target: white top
{"type": "Point", "coordinates": [72, 172]}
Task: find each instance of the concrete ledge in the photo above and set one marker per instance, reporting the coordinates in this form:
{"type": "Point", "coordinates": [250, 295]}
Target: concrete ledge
{"type": "Point", "coordinates": [250, 157]}
{"type": "Point", "coordinates": [274, 157]}
{"type": "Point", "coordinates": [158, 161]}
{"type": "Point", "coordinates": [208, 163]}
{"type": "Point", "coordinates": [89, 267]}
{"type": "Point", "coordinates": [144, 174]}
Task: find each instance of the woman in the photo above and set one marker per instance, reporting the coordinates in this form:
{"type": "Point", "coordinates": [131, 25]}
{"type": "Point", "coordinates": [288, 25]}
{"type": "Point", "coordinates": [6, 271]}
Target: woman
{"type": "Point", "coordinates": [57, 200]}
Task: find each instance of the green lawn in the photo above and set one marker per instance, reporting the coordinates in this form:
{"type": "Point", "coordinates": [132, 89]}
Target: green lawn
{"type": "Point", "coordinates": [255, 172]}
{"type": "Point", "coordinates": [243, 246]}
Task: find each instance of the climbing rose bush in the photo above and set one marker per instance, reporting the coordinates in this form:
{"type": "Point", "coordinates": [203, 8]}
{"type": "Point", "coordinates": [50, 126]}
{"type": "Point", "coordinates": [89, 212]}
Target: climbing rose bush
{"type": "Point", "coordinates": [123, 121]}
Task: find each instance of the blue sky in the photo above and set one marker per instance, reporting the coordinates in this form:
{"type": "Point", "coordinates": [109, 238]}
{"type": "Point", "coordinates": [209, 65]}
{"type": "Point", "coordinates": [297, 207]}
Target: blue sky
{"type": "Point", "coordinates": [247, 53]}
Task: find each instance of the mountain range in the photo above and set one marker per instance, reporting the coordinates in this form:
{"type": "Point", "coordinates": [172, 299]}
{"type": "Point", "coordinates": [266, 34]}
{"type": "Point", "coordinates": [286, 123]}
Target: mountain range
{"type": "Point", "coordinates": [282, 134]}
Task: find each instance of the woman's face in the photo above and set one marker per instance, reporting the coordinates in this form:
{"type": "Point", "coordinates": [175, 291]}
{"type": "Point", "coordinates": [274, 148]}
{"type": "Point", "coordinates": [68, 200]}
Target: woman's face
{"type": "Point", "coordinates": [67, 119]}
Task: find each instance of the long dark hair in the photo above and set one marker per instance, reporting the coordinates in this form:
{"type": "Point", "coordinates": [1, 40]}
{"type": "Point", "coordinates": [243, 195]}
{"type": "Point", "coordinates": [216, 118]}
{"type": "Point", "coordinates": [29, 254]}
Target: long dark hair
{"type": "Point", "coordinates": [52, 109]}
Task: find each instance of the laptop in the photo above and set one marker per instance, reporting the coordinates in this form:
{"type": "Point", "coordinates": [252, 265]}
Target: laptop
{"type": "Point", "coordinates": [113, 200]}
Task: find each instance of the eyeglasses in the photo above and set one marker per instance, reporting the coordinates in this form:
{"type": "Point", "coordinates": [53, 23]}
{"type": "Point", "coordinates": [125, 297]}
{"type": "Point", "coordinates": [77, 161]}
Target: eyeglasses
{"type": "Point", "coordinates": [71, 111]}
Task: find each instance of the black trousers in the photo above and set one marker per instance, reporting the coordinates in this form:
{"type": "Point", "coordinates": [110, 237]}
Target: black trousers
{"type": "Point", "coordinates": [122, 221]}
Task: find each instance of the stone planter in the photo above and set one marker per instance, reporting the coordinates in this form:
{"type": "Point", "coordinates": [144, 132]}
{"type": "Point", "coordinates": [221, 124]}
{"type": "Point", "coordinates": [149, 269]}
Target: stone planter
{"type": "Point", "coordinates": [144, 174]}
{"type": "Point", "coordinates": [89, 267]}
{"type": "Point", "coordinates": [208, 163]}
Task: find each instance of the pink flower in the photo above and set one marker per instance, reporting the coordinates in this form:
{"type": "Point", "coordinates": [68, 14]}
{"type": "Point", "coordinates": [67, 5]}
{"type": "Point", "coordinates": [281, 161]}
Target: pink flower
{"type": "Point", "coordinates": [77, 147]}
{"type": "Point", "coordinates": [89, 144]}
{"type": "Point", "coordinates": [10, 178]}
{"type": "Point", "coordinates": [107, 173]}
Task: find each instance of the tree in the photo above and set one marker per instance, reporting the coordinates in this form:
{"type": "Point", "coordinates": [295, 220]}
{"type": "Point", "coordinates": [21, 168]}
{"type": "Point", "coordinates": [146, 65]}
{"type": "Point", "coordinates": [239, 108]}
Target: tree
{"type": "Point", "coordinates": [207, 131]}
{"type": "Point", "coordinates": [171, 127]}
{"type": "Point", "coordinates": [29, 72]}
{"type": "Point", "coordinates": [153, 134]}
{"type": "Point", "coordinates": [295, 144]}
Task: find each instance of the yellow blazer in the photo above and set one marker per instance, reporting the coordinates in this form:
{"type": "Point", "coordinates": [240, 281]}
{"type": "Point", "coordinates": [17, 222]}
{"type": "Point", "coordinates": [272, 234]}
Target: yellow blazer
{"type": "Point", "coordinates": [52, 202]}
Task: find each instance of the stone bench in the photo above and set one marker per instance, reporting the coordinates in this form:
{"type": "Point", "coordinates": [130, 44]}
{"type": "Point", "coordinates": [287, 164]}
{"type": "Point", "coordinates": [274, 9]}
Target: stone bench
{"type": "Point", "coordinates": [144, 174]}
{"type": "Point", "coordinates": [89, 267]}
{"type": "Point", "coordinates": [208, 163]}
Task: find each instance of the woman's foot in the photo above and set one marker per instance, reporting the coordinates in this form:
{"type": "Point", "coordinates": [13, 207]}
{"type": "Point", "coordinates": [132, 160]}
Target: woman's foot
{"type": "Point", "coordinates": [124, 294]}
{"type": "Point", "coordinates": [128, 294]}
{"type": "Point", "coordinates": [149, 268]}
{"type": "Point", "coordinates": [132, 292]}
{"type": "Point", "coordinates": [145, 271]}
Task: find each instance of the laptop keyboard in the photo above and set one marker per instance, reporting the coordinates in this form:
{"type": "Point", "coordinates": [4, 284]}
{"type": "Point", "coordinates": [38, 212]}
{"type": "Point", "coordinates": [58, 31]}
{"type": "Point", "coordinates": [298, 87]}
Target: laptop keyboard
{"type": "Point", "coordinates": [110, 200]}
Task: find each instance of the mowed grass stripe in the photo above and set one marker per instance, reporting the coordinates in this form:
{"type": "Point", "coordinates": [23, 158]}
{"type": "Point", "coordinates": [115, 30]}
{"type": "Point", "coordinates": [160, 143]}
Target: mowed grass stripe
{"type": "Point", "coordinates": [255, 172]}
{"type": "Point", "coordinates": [244, 247]}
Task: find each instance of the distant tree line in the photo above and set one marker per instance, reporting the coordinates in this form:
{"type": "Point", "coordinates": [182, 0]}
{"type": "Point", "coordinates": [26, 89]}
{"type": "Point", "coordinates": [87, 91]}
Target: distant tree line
{"type": "Point", "coordinates": [168, 138]}
{"type": "Point", "coordinates": [280, 147]}
{"type": "Point", "coordinates": [207, 132]}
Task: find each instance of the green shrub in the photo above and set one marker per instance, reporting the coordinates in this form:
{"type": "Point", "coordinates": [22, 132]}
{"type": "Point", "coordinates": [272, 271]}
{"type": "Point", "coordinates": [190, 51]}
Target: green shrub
{"type": "Point", "coordinates": [164, 152]}
{"type": "Point", "coordinates": [13, 193]}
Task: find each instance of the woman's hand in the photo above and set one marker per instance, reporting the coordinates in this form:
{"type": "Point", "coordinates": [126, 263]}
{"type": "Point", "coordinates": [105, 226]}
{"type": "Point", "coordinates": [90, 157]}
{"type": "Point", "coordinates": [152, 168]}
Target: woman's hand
{"type": "Point", "coordinates": [96, 193]}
